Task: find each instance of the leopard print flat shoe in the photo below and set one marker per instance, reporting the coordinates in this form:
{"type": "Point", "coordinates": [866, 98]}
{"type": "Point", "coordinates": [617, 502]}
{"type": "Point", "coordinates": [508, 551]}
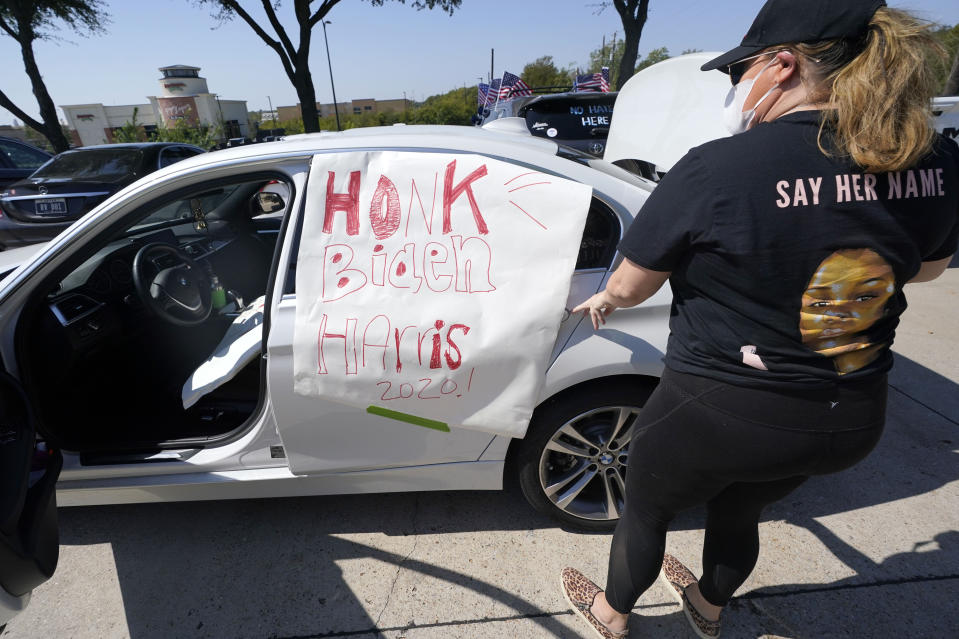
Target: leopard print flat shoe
{"type": "Point", "coordinates": [580, 593]}
{"type": "Point", "coordinates": [703, 627]}
{"type": "Point", "coordinates": [678, 577]}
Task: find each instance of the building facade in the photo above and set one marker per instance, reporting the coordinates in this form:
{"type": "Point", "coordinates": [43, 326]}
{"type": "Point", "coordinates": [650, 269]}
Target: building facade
{"type": "Point", "coordinates": [183, 96]}
{"type": "Point", "coordinates": [354, 107]}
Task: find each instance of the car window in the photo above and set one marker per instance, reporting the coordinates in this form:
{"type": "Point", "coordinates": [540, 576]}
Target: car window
{"type": "Point", "coordinates": [600, 237]}
{"type": "Point", "coordinates": [174, 154]}
{"type": "Point", "coordinates": [22, 156]}
{"type": "Point", "coordinates": [101, 165]}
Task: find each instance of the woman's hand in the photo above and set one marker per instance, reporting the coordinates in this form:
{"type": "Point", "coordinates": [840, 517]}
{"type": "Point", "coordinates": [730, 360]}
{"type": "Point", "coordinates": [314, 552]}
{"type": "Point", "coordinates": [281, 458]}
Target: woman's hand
{"type": "Point", "coordinates": [629, 285]}
{"type": "Point", "coordinates": [598, 307]}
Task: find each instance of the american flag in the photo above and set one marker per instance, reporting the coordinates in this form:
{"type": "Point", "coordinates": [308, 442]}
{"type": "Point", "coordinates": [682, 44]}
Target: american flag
{"type": "Point", "coordinates": [492, 94]}
{"type": "Point", "coordinates": [482, 93]}
{"type": "Point", "coordinates": [513, 87]}
{"type": "Point", "coordinates": [593, 81]}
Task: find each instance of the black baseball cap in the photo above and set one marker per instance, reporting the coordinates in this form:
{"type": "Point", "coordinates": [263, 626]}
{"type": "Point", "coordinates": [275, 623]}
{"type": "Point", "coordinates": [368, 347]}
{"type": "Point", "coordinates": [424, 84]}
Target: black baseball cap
{"type": "Point", "coordinates": [785, 21]}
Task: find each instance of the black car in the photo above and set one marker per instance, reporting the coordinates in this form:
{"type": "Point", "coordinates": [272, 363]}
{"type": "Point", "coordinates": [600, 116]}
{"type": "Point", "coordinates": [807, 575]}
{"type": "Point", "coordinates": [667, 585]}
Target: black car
{"type": "Point", "coordinates": [18, 160]}
{"type": "Point", "coordinates": [580, 120]}
{"type": "Point", "coordinates": [37, 208]}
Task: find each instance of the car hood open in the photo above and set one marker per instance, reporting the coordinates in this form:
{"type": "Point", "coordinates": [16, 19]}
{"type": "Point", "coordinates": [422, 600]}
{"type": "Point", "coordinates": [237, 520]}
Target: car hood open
{"type": "Point", "coordinates": [666, 109]}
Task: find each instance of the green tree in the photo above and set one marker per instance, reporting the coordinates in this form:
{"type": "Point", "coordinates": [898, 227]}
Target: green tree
{"type": "Point", "coordinates": [654, 56]}
{"type": "Point", "coordinates": [296, 58]}
{"type": "Point", "coordinates": [27, 21]}
{"type": "Point", "coordinates": [292, 127]}
{"type": "Point", "coordinates": [452, 107]}
{"type": "Point", "coordinates": [610, 54]}
{"type": "Point", "coordinates": [131, 131]}
{"type": "Point", "coordinates": [204, 135]}
{"type": "Point", "coordinates": [947, 69]}
{"type": "Point", "coordinates": [542, 72]}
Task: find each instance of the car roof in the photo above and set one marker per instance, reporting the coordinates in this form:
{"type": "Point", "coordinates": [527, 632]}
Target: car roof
{"type": "Point", "coordinates": [18, 141]}
{"type": "Point", "coordinates": [465, 139]}
{"type": "Point", "coordinates": [134, 145]}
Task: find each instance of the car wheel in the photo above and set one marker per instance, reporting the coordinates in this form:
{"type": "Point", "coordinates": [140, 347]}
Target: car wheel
{"type": "Point", "coordinates": [572, 463]}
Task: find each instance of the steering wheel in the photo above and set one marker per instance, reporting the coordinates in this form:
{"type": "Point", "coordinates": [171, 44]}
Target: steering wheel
{"type": "Point", "coordinates": [178, 294]}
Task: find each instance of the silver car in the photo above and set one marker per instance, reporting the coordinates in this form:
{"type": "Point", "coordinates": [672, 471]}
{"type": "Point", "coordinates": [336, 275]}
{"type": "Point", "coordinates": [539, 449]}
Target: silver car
{"type": "Point", "coordinates": [95, 356]}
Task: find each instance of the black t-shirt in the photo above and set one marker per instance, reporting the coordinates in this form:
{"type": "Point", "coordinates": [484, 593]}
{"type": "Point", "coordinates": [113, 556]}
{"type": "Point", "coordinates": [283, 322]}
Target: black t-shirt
{"type": "Point", "coordinates": [787, 264]}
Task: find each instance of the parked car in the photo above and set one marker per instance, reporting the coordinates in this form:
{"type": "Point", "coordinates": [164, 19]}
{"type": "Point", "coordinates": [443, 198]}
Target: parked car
{"type": "Point", "coordinates": [65, 188]}
{"type": "Point", "coordinates": [946, 113]}
{"type": "Point", "coordinates": [99, 328]}
{"type": "Point", "coordinates": [580, 120]}
{"type": "Point", "coordinates": [96, 356]}
{"type": "Point", "coordinates": [18, 160]}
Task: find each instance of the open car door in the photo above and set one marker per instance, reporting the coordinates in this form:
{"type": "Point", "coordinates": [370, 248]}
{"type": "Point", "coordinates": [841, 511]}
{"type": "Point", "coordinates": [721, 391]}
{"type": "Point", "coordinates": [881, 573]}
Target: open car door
{"type": "Point", "coordinates": [29, 538]}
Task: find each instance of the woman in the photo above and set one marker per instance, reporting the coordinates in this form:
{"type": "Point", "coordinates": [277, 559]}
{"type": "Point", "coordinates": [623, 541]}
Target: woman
{"type": "Point", "coordinates": [787, 248]}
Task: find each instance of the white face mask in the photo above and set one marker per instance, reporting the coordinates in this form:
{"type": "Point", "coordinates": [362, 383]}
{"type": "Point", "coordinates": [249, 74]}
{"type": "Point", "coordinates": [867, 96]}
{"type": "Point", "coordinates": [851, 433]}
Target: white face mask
{"type": "Point", "coordinates": [734, 118]}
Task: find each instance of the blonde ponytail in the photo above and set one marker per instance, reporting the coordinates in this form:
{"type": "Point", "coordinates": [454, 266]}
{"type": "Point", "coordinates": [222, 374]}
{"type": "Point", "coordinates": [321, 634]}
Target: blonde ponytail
{"type": "Point", "coordinates": [881, 87]}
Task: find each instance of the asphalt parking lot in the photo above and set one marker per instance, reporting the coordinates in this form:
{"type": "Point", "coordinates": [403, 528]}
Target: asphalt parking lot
{"type": "Point", "coordinates": [872, 552]}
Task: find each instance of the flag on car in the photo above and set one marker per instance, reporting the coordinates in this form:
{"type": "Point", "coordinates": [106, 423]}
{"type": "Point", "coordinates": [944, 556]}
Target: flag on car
{"type": "Point", "coordinates": [593, 81]}
{"type": "Point", "coordinates": [482, 93]}
{"type": "Point", "coordinates": [492, 94]}
{"type": "Point", "coordinates": [513, 87]}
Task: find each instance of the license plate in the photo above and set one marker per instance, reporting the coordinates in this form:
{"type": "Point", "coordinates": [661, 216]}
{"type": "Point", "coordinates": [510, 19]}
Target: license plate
{"type": "Point", "coordinates": [52, 206]}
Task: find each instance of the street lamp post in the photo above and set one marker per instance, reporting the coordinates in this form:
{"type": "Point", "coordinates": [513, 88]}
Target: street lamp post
{"type": "Point", "coordinates": [336, 108]}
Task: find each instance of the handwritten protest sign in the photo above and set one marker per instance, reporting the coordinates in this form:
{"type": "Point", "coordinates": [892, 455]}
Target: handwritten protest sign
{"type": "Point", "coordinates": [430, 287]}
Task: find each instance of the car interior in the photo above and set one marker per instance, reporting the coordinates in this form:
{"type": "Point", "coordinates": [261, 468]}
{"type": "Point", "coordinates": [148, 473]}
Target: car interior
{"type": "Point", "coordinates": [106, 352]}
{"type": "Point", "coordinates": [117, 355]}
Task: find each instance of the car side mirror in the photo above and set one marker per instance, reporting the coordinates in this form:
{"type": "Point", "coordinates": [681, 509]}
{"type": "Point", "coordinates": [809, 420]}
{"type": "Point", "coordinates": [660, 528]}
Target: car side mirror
{"type": "Point", "coordinates": [268, 202]}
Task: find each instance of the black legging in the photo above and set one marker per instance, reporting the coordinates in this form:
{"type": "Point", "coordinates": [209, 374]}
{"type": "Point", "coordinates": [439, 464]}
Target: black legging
{"type": "Point", "coordinates": [737, 450]}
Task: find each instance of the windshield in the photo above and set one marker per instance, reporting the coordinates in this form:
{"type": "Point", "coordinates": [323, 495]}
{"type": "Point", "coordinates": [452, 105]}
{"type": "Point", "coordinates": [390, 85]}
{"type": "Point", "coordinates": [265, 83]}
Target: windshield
{"type": "Point", "coordinates": [101, 165]}
{"type": "Point", "coordinates": [185, 209]}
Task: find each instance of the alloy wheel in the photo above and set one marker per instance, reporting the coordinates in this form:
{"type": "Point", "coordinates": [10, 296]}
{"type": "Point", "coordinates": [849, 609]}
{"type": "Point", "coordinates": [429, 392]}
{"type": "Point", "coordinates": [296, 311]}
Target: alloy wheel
{"type": "Point", "coordinates": [582, 469]}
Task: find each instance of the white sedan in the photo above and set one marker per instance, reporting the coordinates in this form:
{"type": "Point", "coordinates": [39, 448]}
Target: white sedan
{"type": "Point", "coordinates": [186, 340]}
{"type": "Point", "coordinates": [149, 354]}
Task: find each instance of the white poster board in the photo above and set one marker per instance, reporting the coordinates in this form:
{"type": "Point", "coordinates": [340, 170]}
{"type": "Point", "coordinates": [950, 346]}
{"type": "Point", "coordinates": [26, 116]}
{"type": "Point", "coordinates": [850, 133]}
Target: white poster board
{"type": "Point", "coordinates": [430, 287]}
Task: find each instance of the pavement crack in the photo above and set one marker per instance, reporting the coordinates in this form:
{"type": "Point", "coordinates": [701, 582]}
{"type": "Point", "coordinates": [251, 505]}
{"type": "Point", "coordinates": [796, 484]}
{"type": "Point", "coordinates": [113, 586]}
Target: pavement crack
{"type": "Point", "coordinates": [399, 566]}
{"type": "Point", "coordinates": [760, 611]}
{"type": "Point", "coordinates": [749, 599]}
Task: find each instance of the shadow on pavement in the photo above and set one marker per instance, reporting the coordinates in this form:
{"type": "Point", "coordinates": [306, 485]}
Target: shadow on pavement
{"type": "Point", "coordinates": [271, 568]}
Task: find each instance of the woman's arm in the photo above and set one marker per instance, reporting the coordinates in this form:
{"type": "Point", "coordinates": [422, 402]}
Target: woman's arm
{"type": "Point", "coordinates": [931, 270]}
{"type": "Point", "coordinates": [629, 285]}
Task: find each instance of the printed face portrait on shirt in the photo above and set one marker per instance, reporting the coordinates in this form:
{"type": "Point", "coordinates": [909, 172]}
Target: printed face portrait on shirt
{"type": "Point", "coordinates": [846, 295]}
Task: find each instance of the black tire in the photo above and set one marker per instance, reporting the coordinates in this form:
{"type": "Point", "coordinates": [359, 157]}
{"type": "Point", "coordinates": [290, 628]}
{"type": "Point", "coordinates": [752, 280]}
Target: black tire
{"type": "Point", "coordinates": [586, 413]}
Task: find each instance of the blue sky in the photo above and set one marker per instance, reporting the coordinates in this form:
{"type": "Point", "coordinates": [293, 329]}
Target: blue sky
{"type": "Point", "coordinates": [377, 52]}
